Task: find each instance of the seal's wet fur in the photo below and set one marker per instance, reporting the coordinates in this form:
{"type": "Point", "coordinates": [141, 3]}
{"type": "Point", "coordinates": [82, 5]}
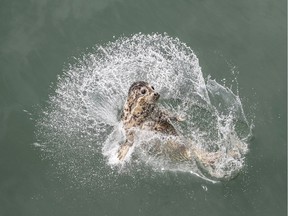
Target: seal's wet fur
{"type": "Point", "coordinates": [141, 112]}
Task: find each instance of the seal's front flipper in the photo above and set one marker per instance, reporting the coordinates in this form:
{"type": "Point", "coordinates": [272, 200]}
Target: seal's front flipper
{"type": "Point", "coordinates": [123, 150]}
{"type": "Point", "coordinates": [166, 115]}
{"type": "Point", "coordinates": [180, 118]}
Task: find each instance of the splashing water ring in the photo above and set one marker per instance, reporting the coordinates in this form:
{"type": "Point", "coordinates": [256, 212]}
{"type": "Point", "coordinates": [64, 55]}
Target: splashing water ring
{"type": "Point", "coordinates": [81, 125]}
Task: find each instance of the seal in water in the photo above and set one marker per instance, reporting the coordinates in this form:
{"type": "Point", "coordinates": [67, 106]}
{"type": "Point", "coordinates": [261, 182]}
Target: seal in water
{"type": "Point", "coordinates": [141, 112]}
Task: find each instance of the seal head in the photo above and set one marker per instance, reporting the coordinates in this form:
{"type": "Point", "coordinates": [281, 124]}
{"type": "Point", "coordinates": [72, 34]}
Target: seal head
{"type": "Point", "coordinates": [140, 104]}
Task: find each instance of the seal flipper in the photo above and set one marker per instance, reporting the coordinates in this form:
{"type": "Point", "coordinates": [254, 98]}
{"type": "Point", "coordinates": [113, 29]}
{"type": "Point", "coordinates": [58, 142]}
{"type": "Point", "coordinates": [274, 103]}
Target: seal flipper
{"type": "Point", "coordinates": [124, 148]}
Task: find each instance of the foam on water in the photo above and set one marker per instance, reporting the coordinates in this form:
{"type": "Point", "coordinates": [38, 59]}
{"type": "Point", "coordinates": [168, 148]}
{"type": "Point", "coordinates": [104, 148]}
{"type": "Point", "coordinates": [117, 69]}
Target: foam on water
{"type": "Point", "coordinates": [80, 129]}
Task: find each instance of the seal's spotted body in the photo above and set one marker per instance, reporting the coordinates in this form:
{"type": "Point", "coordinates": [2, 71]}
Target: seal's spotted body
{"type": "Point", "coordinates": [140, 111]}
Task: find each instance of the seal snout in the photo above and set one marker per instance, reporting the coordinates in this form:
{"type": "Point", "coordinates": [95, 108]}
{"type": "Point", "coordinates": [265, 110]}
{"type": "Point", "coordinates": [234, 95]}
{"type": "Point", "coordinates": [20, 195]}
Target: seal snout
{"type": "Point", "coordinates": [156, 95]}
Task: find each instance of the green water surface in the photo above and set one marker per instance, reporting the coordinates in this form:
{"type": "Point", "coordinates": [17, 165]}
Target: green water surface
{"type": "Point", "coordinates": [248, 37]}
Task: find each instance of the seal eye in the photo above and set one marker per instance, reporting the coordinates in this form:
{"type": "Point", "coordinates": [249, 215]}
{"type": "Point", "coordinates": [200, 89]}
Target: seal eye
{"type": "Point", "coordinates": [152, 87]}
{"type": "Point", "coordinates": [143, 91]}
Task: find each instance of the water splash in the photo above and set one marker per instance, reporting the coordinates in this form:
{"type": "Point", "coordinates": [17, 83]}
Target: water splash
{"type": "Point", "coordinates": [80, 129]}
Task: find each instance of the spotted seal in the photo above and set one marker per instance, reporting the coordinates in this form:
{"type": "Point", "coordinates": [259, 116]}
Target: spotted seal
{"type": "Point", "coordinates": [141, 112]}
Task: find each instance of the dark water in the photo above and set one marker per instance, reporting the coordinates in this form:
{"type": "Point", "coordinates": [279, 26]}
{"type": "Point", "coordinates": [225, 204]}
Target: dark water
{"type": "Point", "coordinates": [38, 36]}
